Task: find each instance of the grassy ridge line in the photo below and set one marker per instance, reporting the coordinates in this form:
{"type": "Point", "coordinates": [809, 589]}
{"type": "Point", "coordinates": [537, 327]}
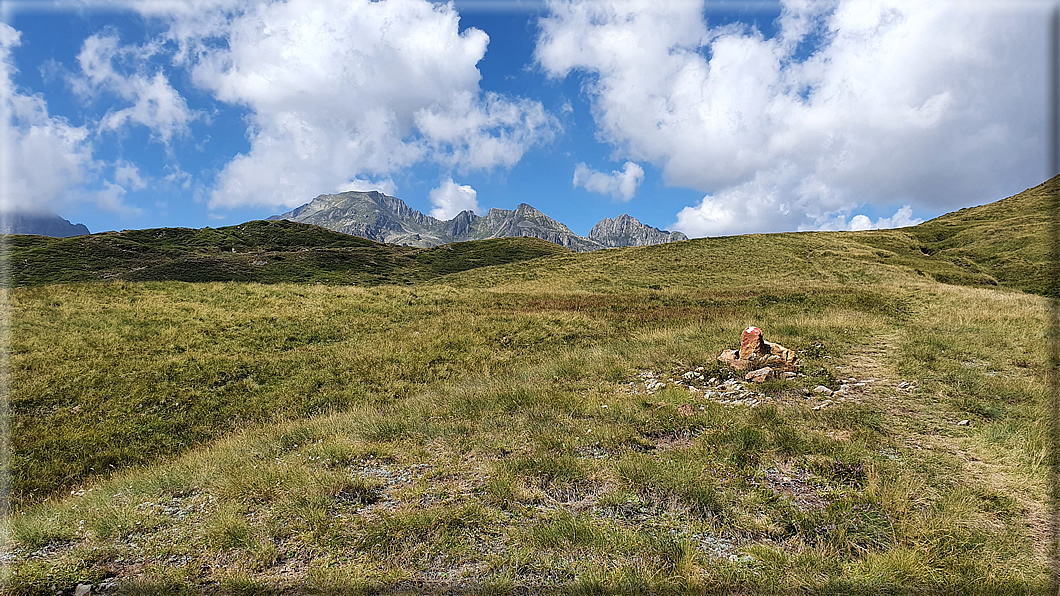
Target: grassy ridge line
{"type": "Point", "coordinates": [257, 251]}
{"type": "Point", "coordinates": [1007, 239]}
{"type": "Point", "coordinates": [1005, 243]}
{"type": "Point", "coordinates": [736, 263]}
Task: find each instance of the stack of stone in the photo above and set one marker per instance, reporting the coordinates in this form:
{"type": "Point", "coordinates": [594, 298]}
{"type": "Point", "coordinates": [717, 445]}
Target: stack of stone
{"type": "Point", "coordinates": [764, 359]}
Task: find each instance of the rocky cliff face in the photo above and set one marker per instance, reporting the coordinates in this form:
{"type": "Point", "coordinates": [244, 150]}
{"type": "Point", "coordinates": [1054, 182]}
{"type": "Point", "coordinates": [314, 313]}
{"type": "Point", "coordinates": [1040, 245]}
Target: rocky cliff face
{"type": "Point", "coordinates": [627, 231]}
{"type": "Point", "coordinates": [387, 219]}
{"type": "Point", "coordinates": [41, 224]}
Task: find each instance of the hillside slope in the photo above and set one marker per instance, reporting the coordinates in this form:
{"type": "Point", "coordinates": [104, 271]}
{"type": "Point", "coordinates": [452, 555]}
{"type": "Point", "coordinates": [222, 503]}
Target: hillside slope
{"type": "Point", "coordinates": [1012, 240]}
{"type": "Point", "coordinates": [560, 425]}
{"type": "Point", "coordinates": [257, 251]}
{"type": "Point", "coordinates": [1007, 243]}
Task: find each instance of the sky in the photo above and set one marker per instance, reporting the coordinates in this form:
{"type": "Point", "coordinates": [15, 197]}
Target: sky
{"type": "Point", "coordinates": [708, 117]}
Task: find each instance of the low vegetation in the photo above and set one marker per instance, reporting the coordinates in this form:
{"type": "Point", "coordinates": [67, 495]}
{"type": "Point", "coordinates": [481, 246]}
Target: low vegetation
{"type": "Point", "coordinates": [257, 251]}
{"type": "Point", "coordinates": [559, 424]}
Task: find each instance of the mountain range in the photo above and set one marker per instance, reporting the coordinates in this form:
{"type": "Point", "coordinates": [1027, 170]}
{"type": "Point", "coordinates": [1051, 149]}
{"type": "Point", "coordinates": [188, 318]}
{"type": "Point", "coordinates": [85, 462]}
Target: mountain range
{"type": "Point", "coordinates": [382, 218]}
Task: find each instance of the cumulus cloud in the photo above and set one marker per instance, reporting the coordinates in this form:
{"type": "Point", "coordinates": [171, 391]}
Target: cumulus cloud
{"type": "Point", "coordinates": [621, 185]}
{"type": "Point", "coordinates": [450, 198]}
{"type": "Point", "coordinates": [41, 157]}
{"type": "Point", "coordinates": [339, 90]}
{"type": "Point", "coordinates": [154, 103]}
{"type": "Point", "coordinates": [901, 218]}
{"type": "Point", "coordinates": [930, 104]}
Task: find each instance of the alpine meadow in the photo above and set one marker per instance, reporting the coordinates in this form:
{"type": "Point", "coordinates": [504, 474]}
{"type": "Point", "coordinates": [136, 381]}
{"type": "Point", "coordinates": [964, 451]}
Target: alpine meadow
{"type": "Point", "coordinates": [275, 408]}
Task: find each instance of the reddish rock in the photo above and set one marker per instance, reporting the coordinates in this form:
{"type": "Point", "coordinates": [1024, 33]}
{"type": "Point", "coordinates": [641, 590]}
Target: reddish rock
{"type": "Point", "coordinates": [756, 352]}
{"type": "Point", "coordinates": [686, 410]}
{"type": "Point", "coordinates": [752, 344]}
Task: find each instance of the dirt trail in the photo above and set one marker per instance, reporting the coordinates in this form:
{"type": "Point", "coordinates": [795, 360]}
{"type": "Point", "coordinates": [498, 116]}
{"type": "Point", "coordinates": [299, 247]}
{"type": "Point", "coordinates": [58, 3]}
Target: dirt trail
{"type": "Point", "coordinates": [933, 425]}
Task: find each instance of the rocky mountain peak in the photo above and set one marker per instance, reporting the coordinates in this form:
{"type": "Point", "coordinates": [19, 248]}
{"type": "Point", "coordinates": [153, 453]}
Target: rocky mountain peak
{"type": "Point", "coordinates": [387, 219]}
{"type": "Point", "coordinates": [40, 224]}
{"type": "Point", "coordinates": [625, 230]}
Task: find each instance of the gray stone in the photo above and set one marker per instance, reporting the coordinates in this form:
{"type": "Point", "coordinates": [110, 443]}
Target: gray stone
{"type": "Point", "coordinates": [821, 389]}
{"type": "Point", "coordinates": [83, 590]}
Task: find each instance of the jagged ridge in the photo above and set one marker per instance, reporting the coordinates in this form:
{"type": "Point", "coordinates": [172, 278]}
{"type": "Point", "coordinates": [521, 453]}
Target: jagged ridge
{"type": "Point", "coordinates": [382, 218]}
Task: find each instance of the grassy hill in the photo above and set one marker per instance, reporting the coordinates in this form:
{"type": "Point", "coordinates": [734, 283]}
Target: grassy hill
{"type": "Point", "coordinates": [554, 424]}
{"type": "Point", "coordinates": [1011, 241]}
{"type": "Point", "coordinates": [257, 251]}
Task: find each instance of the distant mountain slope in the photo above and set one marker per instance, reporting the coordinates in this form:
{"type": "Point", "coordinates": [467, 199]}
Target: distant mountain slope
{"type": "Point", "coordinates": [387, 219]}
{"type": "Point", "coordinates": [42, 224]}
{"type": "Point", "coordinates": [259, 251]}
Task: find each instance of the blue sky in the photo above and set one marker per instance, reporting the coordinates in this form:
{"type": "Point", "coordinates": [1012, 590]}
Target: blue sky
{"type": "Point", "coordinates": [712, 118]}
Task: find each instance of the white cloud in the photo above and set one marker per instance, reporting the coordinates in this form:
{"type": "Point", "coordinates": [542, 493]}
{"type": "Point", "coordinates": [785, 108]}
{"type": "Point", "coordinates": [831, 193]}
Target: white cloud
{"type": "Point", "coordinates": [901, 218]}
{"type": "Point", "coordinates": [450, 198]}
{"type": "Point", "coordinates": [42, 158]}
{"type": "Point", "coordinates": [931, 104]}
{"type": "Point", "coordinates": [385, 186]}
{"type": "Point", "coordinates": [340, 90]}
{"type": "Point", "coordinates": [112, 198]}
{"type": "Point", "coordinates": [621, 185]}
{"type": "Point", "coordinates": [176, 176]}
{"type": "Point", "coordinates": [127, 174]}
{"type": "Point", "coordinates": [155, 104]}
{"type": "Point", "coordinates": [471, 134]}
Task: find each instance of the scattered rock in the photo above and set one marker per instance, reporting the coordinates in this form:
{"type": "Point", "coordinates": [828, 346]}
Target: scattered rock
{"type": "Point", "coordinates": [823, 404]}
{"type": "Point", "coordinates": [83, 590]}
{"type": "Point", "coordinates": [761, 375]}
{"type": "Point", "coordinates": [822, 390]}
{"type": "Point", "coordinates": [964, 423]}
{"type": "Point", "coordinates": [686, 410]}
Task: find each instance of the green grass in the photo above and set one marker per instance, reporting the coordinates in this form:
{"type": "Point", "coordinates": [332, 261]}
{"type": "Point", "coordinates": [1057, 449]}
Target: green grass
{"type": "Point", "coordinates": [256, 251]}
{"type": "Point", "coordinates": [490, 430]}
